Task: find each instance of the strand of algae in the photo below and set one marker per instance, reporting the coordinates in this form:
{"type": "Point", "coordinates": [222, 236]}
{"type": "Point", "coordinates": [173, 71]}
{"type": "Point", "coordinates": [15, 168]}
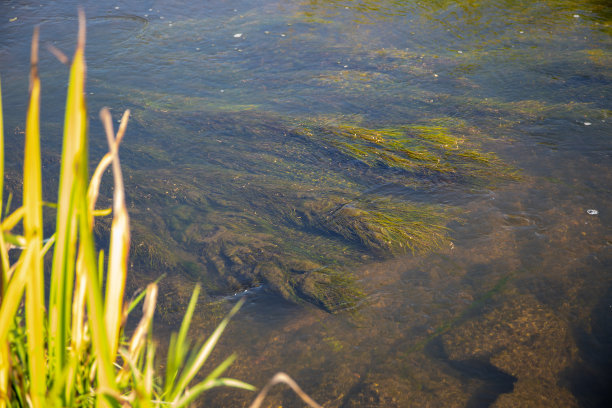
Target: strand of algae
{"type": "Point", "coordinates": [432, 148]}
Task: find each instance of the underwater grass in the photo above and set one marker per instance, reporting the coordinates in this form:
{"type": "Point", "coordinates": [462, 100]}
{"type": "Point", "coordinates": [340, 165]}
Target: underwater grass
{"type": "Point", "coordinates": [434, 147]}
{"type": "Point", "coordinates": [72, 350]}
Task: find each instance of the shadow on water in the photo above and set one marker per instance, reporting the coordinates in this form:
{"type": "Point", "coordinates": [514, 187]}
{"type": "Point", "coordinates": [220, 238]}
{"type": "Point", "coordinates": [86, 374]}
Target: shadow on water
{"type": "Point", "coordinates": [494, 381]}
{"type": "Point", "coordinates": [590, 378]}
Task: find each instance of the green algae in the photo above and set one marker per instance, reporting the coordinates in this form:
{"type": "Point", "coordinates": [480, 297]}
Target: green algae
{"type": "Point", "coordinates": [164, 102]}
{"type": "Point", "coordinates": [352, 80]}
{"type": "Point", "coordinates": [432, 148]}
{"type": "Point", "coordinates": [294, 215]}
{"type": "Point", "coordinates": [386, 226]}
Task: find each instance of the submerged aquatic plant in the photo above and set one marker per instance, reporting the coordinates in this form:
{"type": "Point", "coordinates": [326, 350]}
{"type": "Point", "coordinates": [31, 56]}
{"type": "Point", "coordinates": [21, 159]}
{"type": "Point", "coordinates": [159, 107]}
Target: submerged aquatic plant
{"type": "Point", "coordinates": [432, 148]}
{"type": "Point", "coordinates": [302, 192]}
{"type": "Point", "coordinates": [71, 349]}
{"type": "Point", "coordinates": [389, 227]}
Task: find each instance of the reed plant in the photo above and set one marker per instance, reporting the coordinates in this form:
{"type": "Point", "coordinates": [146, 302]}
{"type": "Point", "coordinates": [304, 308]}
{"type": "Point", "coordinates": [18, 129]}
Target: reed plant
{"type": "Point", "coordinates": [68, 347]}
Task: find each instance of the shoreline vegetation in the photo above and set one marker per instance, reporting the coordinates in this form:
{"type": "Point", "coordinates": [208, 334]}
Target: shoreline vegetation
{"type": "Point", "coordinates": [62, 338]}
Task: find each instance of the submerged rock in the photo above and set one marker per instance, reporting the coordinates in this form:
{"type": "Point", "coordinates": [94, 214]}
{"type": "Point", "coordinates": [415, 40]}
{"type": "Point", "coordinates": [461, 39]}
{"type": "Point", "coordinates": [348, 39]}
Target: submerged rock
{"type": "Point", "coordinates": [524, 339]}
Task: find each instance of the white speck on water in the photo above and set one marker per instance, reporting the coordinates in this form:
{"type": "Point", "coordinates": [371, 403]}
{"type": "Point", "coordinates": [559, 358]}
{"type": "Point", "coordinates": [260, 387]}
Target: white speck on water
{"type": "Point", "coordinates": [576, 15]}
{"type": "Point", "coordinates": [436, 75]}
{"type": "Point", "coordinates": [283, 35]}
{"type": "Point", "coordinates": [460, 52]}
{"type": "Point", "coordinates": [161, 17]}
{"type": "Point", "coordinates": [592, 212]}
{"type": "Point", "coordinates": [150, 9]}
{"type": "Point", "coordinates": [169, 24]}
{"type": "Point", "coordinates": [237, 35]}
{"type": "Point", "coordinates": [587, 123]}
{"type": "Point", "coordinates": [521, 32]}
{"type": "Point", "coordinates": [146, 15]}
{"type": "Point", "coordinates": [223, 90]}
{"type": "Point", "coordinates": [345, 66]}
{"type": "Point", "coordinates": [198, 49]}
{"type": "Point", "coordinates": [266, 32]}
{"type": "Point", "coordinates": [235, 10]}
{"type": "Point", "coordinates": [116, 7]}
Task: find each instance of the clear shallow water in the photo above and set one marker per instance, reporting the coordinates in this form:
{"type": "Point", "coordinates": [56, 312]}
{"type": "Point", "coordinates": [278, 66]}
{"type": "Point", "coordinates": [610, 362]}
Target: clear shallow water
{"type": "Point", "coordinates": [515, 312]}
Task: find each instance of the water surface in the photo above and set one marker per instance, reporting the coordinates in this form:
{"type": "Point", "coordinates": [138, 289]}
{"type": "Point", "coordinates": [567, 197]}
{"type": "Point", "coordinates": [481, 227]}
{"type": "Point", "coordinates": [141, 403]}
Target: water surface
{"type": "Point", "coordinates": [399, 187]}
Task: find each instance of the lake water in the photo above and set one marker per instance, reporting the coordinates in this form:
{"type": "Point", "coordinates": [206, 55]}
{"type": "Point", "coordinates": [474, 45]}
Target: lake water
{"type": "Point", "coordinates": [414, 196]}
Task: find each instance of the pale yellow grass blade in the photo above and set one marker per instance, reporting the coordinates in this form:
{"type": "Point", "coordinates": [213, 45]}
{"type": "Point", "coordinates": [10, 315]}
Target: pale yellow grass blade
{"type": "Point", "coordinates": [12, 220]}
{"type": "Point", "coordinates": [12, 297]}
{"type": "Point", "coordinates": [282, 378]}
{"type": "Point", "coordinates": [120, 238]}
{"type": "Point", "coordinates": [96, 179]}
{"type": "Point", "coordinates": [139, 338]}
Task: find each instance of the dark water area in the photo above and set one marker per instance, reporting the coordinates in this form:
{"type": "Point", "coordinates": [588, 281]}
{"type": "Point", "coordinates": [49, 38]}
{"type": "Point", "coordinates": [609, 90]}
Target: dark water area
{"type": "Point", "coordinates": [413, 196]}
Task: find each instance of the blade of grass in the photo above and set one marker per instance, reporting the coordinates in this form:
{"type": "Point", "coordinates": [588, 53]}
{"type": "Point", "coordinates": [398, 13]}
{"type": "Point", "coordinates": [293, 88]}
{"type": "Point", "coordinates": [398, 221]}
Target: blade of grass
{"type": "Point", "coordinates": [76, 132]}
{"type": "Point", "coordinates": [74, 143]}
{"type": "Point", "coordinates": [195, 391]}
{"type": "Point", "coordinates": [4, 264]}
{"type": "Point", "coordinates": [12, 220]}
{"type": "Point", "coordinates": [149, 373]}
{"type": "Point", "coordinates": [9, 200]}
{"type": "Point", "coordinates": [178, 344]}
{"type": "Point", "coordinates": [14, 241]}
{"type": "Point", "coordinates": [12, 297]}
{"type": "Point", "coordinates": [78, 332]}
{"type": "Point", "coordinates": [107, 387]}
{"type": "Point", "coordinates": [96, 179]}
{"type": "Point", "coordinates": [139, 337]}
{"type": "Point", "coordinates": [4, 260]}
{"type": "Point", "coordinates": [283, 378]}
{"type": "Point", "coordinates": [120, 238]}
{"type": "Point", "coordinates": [139, 296]}
{"type": "Point", "coordinates": [192, 369]}
{"type": "Point", "coordinates": [220, 369]}
{"type": "Point", "coordinates": [4, 373]}
{"type": "Point", "coordinates": [32, 225]}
